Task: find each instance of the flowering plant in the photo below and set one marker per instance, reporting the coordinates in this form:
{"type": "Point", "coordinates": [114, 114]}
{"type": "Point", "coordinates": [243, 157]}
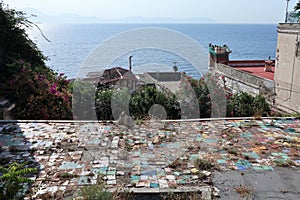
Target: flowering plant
{"type": "Point", "coordinates": [38, 92]}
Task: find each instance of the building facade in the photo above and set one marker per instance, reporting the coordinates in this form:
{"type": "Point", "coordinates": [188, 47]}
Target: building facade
{"type": "Point", "coordinates": [287, 67]}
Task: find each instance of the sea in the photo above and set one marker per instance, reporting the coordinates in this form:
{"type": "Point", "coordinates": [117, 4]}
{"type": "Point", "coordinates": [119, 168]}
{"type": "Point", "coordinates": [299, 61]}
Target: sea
{"type": "Point", "coordinates": [69, 46]}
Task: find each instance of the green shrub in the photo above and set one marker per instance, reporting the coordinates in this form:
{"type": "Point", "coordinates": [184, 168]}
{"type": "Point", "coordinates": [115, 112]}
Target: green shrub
{"type": "Point", "coordinates": [137, 105]}
{"type": "Point", "coordinates": [192, 92]}
{"type": "Point", "coordinates": [202, 93]}
{"type": "Point", "coordinates": [142, 100]}
{"type": "Point", "coordinates": [95, 192]}
{"type": "Point", "coordinates": [261, 107]}
{"type": "Point", "coordinates": [84, 100]}
{"type": "Point", "coordinates": [244, 105]}
{"type": "Point", "coordinates": [103, 104]}
{"type": "Point", "coordinates": [12, 180]}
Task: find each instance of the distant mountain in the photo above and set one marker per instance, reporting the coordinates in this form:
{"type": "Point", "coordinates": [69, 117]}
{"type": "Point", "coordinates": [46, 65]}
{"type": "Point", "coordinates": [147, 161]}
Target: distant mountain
{"type": "Point", "coordinates": [163, 20]}
{"type": "Point", "coordinates": [39, 17]}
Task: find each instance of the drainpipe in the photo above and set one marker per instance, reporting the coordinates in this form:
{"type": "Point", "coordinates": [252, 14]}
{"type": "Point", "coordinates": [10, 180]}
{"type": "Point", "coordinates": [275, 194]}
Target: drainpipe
{"type": "Point", "coordinates": [130, 57]}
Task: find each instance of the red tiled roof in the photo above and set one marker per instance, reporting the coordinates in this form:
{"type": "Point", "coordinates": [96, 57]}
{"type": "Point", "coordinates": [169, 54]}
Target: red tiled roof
{"type": "Point", "coordinates": [255, 67]}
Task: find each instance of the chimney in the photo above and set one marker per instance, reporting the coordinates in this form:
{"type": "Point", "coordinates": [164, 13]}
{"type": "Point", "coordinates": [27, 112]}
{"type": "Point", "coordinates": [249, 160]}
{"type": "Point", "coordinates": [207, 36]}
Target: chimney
{"type": "Point", "coordinates": [130, 57]}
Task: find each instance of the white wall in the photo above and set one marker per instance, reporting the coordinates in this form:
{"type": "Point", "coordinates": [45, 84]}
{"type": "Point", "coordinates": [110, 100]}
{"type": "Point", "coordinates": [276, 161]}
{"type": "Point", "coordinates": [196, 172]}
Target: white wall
{"type": "Point", "coordinates": [287, 67]}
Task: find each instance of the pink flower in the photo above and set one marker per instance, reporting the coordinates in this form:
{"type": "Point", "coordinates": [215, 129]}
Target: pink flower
{"type": "Point", "coordinates": [53, 89]}
{"type": "Point", "coordinates": [66, 98]}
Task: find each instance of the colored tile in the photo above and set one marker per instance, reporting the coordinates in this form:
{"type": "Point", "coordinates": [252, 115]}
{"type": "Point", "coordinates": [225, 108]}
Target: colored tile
{"type": "Point", "coordinates": [149, 173]}
{"type": "Point", "coordinates": [246, 135]}
{"type": "Point", "coordinates": [154, 185]}
{"type": "Point", "coordinates": [221, 161]}
{"type": "Point", "coordinates": [70, 165]}
{"type": "Point", "coordinates": [194, 156]}
{"type": "Point", "coordinates": [252, 155]}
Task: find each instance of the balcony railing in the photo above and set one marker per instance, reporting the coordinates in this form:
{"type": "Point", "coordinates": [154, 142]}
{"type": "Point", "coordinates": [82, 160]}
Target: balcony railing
{"type": "Point", "coordinates": [293, 17]}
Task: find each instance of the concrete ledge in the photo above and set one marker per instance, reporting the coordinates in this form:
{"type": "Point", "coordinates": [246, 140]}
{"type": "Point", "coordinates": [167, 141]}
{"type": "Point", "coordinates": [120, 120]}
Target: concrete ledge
{"type": "Point", "coordinates": [178, 120]}
{"type": "Point", "coordinates": [206, 191]}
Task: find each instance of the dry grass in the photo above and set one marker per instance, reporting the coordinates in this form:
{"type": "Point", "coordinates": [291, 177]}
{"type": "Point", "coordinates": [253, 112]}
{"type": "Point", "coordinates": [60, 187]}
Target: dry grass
{"type": "Point", "coordinates": [244, 191]}
{"type": "Point", "coordinates": [182, 196]}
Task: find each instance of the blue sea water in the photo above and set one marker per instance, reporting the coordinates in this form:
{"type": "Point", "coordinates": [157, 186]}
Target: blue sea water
{"type": "Point", "coordinates": [72, 43]}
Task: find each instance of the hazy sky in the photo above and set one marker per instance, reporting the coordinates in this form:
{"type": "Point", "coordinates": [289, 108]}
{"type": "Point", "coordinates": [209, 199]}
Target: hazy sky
{"type": "Point", "coordinates": [222, 11]}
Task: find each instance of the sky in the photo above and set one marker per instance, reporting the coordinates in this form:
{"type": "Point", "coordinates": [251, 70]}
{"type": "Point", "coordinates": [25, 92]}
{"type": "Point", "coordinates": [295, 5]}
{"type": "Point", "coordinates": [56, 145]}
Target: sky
{"type": "Point", "coordinates": [221, 11]}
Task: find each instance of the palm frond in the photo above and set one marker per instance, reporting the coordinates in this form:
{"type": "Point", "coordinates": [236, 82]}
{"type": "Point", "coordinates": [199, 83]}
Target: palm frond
{"type": "Point", "coordinates": [297, 7]}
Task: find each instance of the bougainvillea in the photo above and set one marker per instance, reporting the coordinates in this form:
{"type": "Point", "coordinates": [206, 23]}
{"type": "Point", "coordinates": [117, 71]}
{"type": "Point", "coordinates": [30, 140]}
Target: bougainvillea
{"type": "Point", "coordinates": [38, 94]}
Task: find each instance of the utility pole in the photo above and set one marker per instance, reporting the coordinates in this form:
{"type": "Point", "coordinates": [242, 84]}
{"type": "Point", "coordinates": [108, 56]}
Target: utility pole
{"type": "Point", "coordinates": [287, 10]}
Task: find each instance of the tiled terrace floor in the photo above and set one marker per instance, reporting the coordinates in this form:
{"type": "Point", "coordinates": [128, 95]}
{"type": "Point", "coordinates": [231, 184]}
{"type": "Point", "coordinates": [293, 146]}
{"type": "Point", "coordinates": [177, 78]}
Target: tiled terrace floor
{"type": "Point", "coordinates": [69, 154]}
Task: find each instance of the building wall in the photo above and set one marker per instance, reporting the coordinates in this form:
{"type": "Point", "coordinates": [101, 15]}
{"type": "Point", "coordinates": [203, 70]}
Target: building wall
{"type": "Point", "coordinates": [240, 81]}
{"type": "Point", "coordinates": [166, 76]}
{"type": "Point", "coordinates": [287, 67]}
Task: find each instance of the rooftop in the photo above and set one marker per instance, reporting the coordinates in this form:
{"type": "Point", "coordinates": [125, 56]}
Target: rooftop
{"type": "Point", "coordinates": [255, 67]}
{"type": "Point", "coordinates": [111, 75]}
{"type": "Point", "coordinates": [152, 156]}
{"type": "Point", "coordinates": [170, 80]}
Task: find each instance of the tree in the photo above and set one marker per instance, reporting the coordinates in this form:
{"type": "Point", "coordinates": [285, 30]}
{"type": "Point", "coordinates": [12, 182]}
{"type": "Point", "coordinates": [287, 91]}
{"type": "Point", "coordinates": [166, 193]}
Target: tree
{"type": "Point", "coordinates": [14, 42]}
{"type": "Point", "coordinates": [25, 80]}
{"type": "Point", "coordinates": [297, 7]}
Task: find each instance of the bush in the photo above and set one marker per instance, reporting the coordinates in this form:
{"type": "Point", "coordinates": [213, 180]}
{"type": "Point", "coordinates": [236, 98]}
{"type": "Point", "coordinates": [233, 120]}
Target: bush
{"type": "Point", "coordinates": [261, 107]}
{"type": "Point", "coordinates": [84, 100]}
{"type": "Point", "coordinates": [202, 93]}
{"type": "Point", "coordinates": [244, 105]}
{"type": "Point", "coordinates": [103, 104]}
{"type": "Point", "coordinates": [38, 93]}
{"type": "Point", "coordinates": [212, 95]}
{"type": "Point", "coordinates": [192, 92]}
{"type": "Point", "coordinates": [142, 100]}
{"type": "Point", "coordinates": [111, 102]}
{"type": "Point", "coordinates": [95, 192]}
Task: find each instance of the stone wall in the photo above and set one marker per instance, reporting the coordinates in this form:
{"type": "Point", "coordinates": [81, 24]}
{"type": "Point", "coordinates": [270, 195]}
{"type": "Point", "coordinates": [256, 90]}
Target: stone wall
{"type": "Point", "coordinates": [240, 81]}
